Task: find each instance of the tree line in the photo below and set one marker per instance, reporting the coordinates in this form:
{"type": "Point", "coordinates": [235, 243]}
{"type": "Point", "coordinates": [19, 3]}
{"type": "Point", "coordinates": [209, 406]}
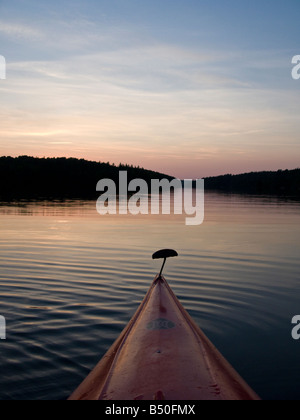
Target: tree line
{"type": "Point", "coordinates": [27, 177]}
{"type": "Point", "coordinates": [282, 183]}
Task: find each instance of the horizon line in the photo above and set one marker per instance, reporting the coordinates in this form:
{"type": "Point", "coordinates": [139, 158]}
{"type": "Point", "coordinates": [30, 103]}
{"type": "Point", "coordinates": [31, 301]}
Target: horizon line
{"type": "Point", "coordinates": [146, 169]}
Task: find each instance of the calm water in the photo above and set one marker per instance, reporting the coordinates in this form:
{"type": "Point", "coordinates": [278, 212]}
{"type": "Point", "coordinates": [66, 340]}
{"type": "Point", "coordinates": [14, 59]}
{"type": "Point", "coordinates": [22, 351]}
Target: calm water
{"type": "Point", "coordinates": [70, 280]}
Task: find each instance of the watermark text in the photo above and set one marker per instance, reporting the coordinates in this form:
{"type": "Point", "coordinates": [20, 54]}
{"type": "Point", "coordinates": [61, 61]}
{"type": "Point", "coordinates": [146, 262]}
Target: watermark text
{"type": "Point", "coordinates": [296, 68]}
{"type": "Point", "coordinates": [152, 410]}
{"type": "Point", "coordinates": [296, 329]}
{"type": "Point", "coordinates": [2, 328]}
{"type": "Point", "coordinates": [2, 68]}
{"type": "Point", "coordinates": [164, 197]}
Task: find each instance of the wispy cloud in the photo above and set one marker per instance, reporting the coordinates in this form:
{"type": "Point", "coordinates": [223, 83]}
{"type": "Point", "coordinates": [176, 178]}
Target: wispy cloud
{"type": "Point", "coordinates": [119, 87]}
{"type": "Point", "coordinates": [44, 134]}
{"type": "Point", "coordinates": [19, 30]}
{"type": "Point", "coordinates": [61, 142]}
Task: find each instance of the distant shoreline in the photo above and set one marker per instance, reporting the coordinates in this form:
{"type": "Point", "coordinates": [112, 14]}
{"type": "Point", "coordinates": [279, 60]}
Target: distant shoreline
{"type": "Point", "coordinates": [28, 177]}
{"type": "Point", "coordinates": [284, 183]}
{"type": "Point", "coordinates": [31, 178]}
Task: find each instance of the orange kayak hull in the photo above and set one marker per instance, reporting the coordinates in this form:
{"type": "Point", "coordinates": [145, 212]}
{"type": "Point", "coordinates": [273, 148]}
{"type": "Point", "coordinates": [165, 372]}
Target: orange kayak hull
{"type": "Point", "coordinates": [163, 355]}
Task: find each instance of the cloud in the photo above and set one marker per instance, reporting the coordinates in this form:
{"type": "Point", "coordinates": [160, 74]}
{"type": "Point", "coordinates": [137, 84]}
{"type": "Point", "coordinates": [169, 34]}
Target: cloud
{"type": "Point", "coordinates": [154, 99]}
{"type": "Point", "coordinates": [45, 134]}
{"type": "Point", "coordinates": [114, 95]}
{"type": "Point", "coordinates": [45, 69]}
{"type": "Point", "coordinates": [19, 30]}
{"type": "Point", "coordinates": [60, 142]}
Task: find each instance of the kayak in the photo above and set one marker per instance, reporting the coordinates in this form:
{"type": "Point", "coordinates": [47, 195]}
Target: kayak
{"type": "Point", "coordinates": [163, 355]}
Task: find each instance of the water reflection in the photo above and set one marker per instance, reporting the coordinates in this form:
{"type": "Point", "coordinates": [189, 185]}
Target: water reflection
{"type": "Point", "coordinates": [70, 280]}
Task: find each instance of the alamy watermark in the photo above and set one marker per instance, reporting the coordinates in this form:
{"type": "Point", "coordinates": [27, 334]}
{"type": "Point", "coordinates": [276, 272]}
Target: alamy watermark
{"type": "Point", "coordinates": [157, 197]}
{"type": "Point", "coordinates": [296, 68]}
{"type": "Point", "coordinates": [2, 68]}
{"type": "Point", "coordinates": [296, 329]}
{"type": "Point", "coordinates": [2, 328]}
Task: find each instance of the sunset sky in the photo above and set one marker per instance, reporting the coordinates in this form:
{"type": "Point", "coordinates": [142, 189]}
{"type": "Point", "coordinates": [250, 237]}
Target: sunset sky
{"type": "Point", "coordinates": [190, 88]}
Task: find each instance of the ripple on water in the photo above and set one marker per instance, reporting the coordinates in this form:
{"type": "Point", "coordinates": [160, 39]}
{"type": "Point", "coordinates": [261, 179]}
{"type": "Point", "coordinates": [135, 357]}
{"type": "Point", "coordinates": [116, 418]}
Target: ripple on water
{"type": "Point", "coordinates": [68, 289]}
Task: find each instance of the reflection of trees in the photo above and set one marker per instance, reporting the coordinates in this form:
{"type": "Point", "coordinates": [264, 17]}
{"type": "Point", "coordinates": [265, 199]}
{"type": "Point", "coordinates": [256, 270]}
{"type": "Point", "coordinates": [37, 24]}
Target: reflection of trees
{"type": "Point", "coordinates": [28, 177]}
{"type": "Point", "coordinates": [285, 183]}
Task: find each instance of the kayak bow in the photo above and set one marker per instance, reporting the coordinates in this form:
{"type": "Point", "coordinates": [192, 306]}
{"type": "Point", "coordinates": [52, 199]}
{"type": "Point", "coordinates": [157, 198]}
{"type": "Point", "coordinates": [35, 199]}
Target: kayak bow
{"type": "Point", "coordinates": [163, 355]}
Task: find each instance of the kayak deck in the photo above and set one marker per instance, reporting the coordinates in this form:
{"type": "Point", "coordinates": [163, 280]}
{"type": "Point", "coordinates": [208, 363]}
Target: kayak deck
{"type": "Point", "coordinates": [163, 355]}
